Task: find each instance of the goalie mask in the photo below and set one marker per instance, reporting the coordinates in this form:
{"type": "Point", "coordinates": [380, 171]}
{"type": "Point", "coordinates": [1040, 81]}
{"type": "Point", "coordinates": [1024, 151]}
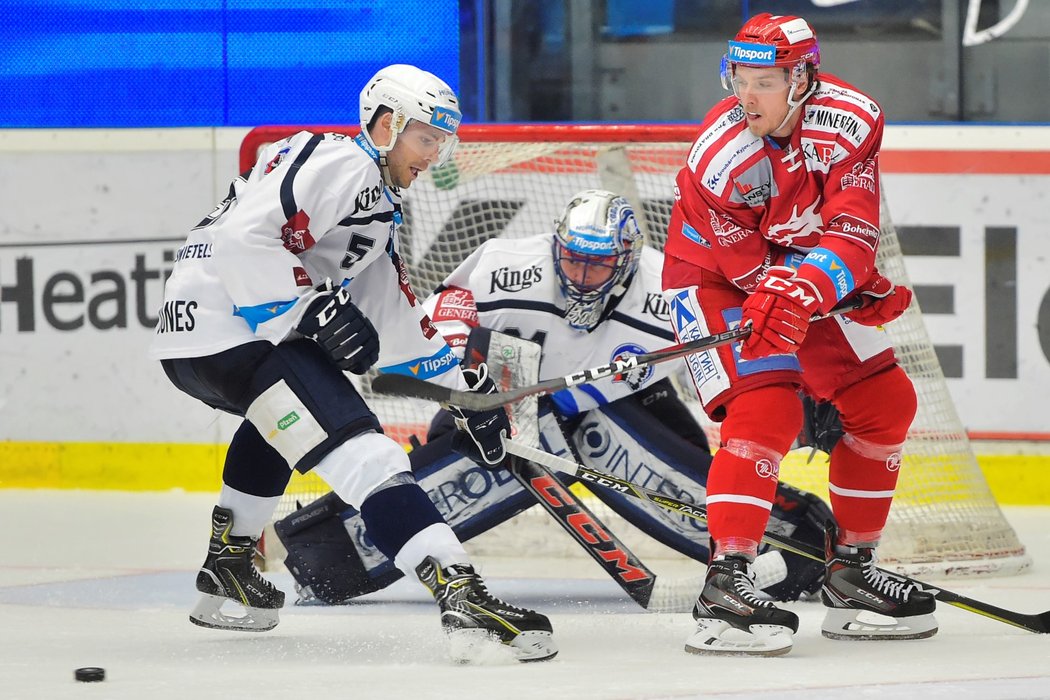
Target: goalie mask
{"type": "Point", "coordinates": [411, 93]}
{"type": "Point", "coordinates": [596, 248]}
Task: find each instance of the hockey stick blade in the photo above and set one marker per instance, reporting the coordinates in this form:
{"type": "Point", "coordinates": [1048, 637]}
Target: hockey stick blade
{"type": "Point", "coordinates": [693, 510]}
{"type": "Point", "coordinates": [412, 387]}
{"type": "Point", "coordinates": [612, 555]}
{"type": "Point", "coordinates": [1032, 622]}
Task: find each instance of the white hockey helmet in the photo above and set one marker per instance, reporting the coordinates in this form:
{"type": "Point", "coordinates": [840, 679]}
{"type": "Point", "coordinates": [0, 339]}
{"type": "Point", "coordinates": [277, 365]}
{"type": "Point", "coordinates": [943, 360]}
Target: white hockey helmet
{"type": "Point", "coordinates": [597, 243]}
{"type": "Point", "coordinates": [411, 93]}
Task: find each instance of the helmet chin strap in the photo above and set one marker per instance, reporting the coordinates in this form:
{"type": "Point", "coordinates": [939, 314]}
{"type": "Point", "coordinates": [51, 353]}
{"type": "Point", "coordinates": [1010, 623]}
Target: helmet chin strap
{"type": "Point", "coordinates": [793, 105]}
{"type": "Point", "coordinates": [397, 118]}
{"type": "Point", "coordinates": [384, 168]}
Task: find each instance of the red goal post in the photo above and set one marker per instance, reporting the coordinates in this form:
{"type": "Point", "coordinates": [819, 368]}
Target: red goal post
{"type": "Point", "coordinates": [497, 133]}
{"type": "Point", "coordinates": [513, 180]}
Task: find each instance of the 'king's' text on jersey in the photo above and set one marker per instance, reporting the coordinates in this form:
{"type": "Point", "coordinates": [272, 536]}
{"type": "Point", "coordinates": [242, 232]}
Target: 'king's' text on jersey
{"type": "Point", "coordinates": [511, 286]}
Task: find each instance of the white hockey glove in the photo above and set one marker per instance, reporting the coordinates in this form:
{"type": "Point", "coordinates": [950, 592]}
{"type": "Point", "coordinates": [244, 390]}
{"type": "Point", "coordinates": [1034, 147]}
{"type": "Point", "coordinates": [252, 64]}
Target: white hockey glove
{"type": "Point", "coordinates": [339, 327]}
{"type": "Point", "coordinates": [481, 433]}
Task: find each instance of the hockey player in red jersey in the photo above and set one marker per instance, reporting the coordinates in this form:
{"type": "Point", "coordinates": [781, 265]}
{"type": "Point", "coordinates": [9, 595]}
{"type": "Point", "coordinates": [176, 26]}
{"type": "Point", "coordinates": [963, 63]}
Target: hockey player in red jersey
{"type": "Point", "coordinates": [776, 219]}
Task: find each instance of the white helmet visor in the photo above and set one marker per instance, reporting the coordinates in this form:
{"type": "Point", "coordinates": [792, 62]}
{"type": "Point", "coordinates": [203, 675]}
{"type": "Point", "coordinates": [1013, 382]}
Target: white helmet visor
{"type": "Point", "coordinates": [435, 144]}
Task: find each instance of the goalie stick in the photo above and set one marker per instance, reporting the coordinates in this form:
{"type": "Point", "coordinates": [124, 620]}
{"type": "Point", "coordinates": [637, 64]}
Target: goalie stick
{"type": "Point", "coordinates": [513, 359]}
{"type": "Point", "coordinates": [1037, 622]}
{"type": "Point", "coordinates": [632, 575]}
{"type": "Point", "coordinates": [404, 385]}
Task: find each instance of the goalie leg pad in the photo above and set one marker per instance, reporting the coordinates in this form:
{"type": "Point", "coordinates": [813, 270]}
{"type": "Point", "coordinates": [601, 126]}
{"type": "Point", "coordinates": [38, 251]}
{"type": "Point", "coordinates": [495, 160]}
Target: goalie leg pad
{"type": "Point", "coordinates": [326, 563]}
{"type": "Point", "coordinates": [808, 515]}
{"type": "Point", "coordinates": [471, 499]}
{"type": "Point", "coordinates": [628, 440]}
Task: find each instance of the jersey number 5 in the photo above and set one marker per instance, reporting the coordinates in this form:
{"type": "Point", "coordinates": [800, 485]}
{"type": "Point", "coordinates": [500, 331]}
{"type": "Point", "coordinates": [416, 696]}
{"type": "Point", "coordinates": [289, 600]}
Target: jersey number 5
{"type": "Point", "coordinates": [357, 248]}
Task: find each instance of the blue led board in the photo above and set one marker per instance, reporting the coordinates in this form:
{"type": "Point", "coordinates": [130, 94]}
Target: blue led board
{"type": "Point", "coordinates": [118, 63]}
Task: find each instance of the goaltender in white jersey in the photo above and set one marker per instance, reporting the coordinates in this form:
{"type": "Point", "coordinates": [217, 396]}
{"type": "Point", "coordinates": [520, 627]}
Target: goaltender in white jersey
{"type": "Point", "coordinates": [516, 286]}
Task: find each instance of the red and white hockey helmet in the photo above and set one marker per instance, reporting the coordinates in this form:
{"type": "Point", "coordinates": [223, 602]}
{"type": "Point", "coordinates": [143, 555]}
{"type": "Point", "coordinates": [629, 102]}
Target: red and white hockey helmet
{"type": "Point", "coordinates": [773, 40]}
{"type": "Point", "coordinates": [791, 38]}
{"type": "Point", "coordinates": [411, 93]}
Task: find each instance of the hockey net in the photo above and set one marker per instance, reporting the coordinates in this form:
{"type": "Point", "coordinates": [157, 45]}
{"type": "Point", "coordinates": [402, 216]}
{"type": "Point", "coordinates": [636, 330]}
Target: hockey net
{"type": "Point", "coordinates": [513, 181]}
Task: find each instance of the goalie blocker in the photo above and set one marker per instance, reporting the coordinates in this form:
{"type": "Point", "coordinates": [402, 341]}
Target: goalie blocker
{"type": "Point", "coordinates": [638, 437]}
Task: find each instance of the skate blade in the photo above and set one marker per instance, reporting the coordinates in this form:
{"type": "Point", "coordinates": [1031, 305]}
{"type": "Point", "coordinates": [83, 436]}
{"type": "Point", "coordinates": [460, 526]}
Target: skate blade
{"type": "Point", "coordinates": [719, 638]}
{"type": "Point", "coordinates": [534, 645]}
{"type": "Point", "coordinates": [479, 647]}
{"type": "Point", "coordinates": [863, 625]}
{"type": "Point", "coordinates": [208, 613]}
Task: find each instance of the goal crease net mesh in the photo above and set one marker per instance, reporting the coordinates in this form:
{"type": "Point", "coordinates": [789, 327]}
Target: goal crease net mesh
{"type": "Point", "coordinates": [514, 181]}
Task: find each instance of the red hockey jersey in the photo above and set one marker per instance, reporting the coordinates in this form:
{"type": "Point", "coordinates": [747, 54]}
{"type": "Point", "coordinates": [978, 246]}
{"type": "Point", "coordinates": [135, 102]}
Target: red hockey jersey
{"type": "Point", "coordinates": [743, 203]}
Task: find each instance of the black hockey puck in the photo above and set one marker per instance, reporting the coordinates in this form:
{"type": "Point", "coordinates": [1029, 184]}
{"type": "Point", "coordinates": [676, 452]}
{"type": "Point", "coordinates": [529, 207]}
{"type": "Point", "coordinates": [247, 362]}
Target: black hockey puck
{"type": "Point", "coordinates": [90, 674]}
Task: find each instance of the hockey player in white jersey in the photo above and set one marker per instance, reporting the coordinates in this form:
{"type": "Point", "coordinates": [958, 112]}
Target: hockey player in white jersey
{"type": "Point", "coordinates": [587, 294]}
{"type": "Point", "coordinates": [293, 279]}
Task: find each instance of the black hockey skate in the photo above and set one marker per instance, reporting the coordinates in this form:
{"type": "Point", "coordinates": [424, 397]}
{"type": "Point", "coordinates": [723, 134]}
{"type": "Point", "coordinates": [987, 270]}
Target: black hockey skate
{"type": "Point", "coordinates": [473, 618]}
{"type": "Point", "coordinates": [865, 603]}
{"type": "Point", "coordinates": [731, 618]}
{"type": "Point", "coordinates": [229, 576]}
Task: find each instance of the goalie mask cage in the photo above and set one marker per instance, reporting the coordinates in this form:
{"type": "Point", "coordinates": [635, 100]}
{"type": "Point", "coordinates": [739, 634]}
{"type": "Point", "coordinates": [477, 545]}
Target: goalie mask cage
{"type": "Point", "coordinates": [514, 180]}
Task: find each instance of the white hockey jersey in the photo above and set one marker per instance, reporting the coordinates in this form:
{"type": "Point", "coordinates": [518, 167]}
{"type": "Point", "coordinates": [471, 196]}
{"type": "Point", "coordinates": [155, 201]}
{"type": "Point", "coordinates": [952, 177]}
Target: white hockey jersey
{"type": "Point", "coordinates": [511, 286]}
{"type": "Point", "coordinates": [313, 208]}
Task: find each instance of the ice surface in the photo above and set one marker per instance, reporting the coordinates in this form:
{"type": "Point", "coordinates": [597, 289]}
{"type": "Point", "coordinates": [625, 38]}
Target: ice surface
{"type": "Point", "coordinates": [106, 579]}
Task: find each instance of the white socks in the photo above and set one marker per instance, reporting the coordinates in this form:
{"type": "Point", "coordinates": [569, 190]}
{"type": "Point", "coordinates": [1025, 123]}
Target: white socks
{"type": "Point", "coordinates": [250, 513]}
{"type": "Point", "coordinates": [436, 541]}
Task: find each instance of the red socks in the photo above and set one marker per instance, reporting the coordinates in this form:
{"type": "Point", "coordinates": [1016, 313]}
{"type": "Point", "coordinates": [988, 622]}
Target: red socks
{"type": "Point", "coordinates": [759, 428]}
{"type": "Point", "coordinates": [876, 414]}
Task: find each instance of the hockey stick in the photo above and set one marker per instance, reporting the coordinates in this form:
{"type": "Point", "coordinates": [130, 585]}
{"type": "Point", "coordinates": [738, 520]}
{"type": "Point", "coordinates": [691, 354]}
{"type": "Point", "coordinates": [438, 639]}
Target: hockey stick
{"type": "Point", "coordinates": [515, 360]}
{"type": "Point", "coordinates": [633, 576]}
{"type": "Point", "coordinates": [404, 385]}
{"type": "Point", "coordinates": [1038, 622]}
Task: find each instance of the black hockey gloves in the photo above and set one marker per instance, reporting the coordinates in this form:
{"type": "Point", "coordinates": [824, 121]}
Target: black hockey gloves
{"type": "Point", "coordinates": [821, 427]}
{"type": "Point", "coordinates": [481, 433]}
{"type": "Point", "coordinates": [341, 330]}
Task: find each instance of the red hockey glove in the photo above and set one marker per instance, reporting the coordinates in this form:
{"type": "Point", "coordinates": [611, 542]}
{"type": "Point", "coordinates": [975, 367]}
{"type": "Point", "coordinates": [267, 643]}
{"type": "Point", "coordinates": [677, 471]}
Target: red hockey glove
{"type": "Point", "coordinates": [779, 311]}
{"type": "Point", "coordinates": [884, 302]}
